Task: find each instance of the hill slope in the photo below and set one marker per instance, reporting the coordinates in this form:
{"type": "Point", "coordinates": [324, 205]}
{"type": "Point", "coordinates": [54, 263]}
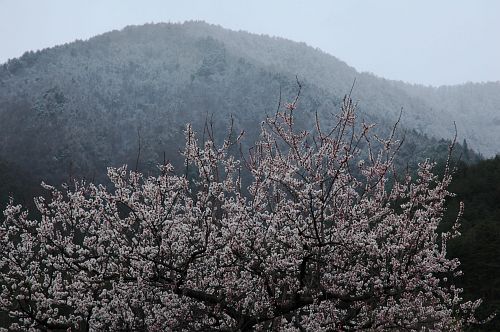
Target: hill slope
{"type": "Point", "coordinates": [478, 248]}
{"type": "Point", "coordinates": [77, 108]}
{"type": "Point", "coordinates": [475, 107]}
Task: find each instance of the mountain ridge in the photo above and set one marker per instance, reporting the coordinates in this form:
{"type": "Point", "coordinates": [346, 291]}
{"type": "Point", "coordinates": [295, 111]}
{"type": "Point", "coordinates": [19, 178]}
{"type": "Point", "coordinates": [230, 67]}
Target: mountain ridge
{"type": "Point", "coordinates": [336, 76]}
{"type": "Point", "coordinates": [82, 106]}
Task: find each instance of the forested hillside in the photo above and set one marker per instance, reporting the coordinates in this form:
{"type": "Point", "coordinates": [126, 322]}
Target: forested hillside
{"type": "Point", "coordinates": [72, 110]}
{"type": "Point", "coordinates": [478, 248]}
{"type": "Point", "coordinates": [473, 106]}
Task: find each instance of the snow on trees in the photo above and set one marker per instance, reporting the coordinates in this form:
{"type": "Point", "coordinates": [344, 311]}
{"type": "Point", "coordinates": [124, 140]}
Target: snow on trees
{"type": "Point", "coordinates": [308, 231]}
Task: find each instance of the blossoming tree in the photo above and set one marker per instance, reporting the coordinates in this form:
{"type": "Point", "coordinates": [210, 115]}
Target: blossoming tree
{"type": "Point", "coordinates": [324, 236]}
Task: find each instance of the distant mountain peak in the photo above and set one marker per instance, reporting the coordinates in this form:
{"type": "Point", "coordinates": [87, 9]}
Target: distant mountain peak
{"type": "Point", "coordinates": [83, 103]}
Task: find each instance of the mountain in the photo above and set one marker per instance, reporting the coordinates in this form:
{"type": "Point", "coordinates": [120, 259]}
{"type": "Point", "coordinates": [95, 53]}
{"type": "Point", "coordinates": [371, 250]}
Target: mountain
{"type": "Point", "coordinates": [475, 107]}
{"type": "Point", "coordinates": [125, 97]}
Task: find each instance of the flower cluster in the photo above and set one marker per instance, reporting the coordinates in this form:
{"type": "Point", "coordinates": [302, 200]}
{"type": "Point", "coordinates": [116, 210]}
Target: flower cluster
{"type": "Point", "coordinates": [308, 231]}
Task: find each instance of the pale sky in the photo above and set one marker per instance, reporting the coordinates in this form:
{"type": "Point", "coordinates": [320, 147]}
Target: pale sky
{"type": "Point", "coordinates": [430, 42]}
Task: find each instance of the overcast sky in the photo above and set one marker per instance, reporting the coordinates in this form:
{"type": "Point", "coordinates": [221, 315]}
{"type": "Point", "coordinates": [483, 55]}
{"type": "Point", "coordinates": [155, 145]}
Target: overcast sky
{"type": "Point", "coordinates": [421, 41]}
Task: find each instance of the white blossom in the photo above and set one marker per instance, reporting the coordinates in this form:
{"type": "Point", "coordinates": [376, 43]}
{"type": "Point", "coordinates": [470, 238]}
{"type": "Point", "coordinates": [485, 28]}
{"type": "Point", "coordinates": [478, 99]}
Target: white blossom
{"type": "Point", "coordinates": [318, 241]}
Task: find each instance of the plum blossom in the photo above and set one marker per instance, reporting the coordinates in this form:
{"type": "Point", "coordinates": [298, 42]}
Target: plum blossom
{"type": "Point", "coordinates": [301, 234]}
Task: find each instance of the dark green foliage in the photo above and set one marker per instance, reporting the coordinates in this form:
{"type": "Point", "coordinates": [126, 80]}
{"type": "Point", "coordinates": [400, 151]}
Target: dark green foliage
{"type": "Point", "coordinates": [478, 186]}
{"type": "Point", "coordinates": [17, 185]}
